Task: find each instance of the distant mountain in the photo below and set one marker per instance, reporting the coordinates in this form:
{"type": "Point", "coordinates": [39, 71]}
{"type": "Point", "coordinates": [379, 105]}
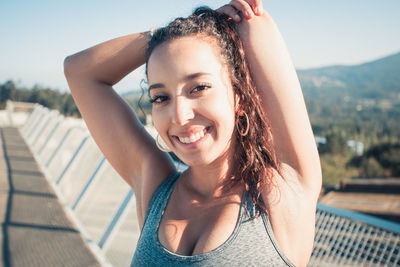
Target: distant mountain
{"type": "Point", "coordinates": [375, 81]}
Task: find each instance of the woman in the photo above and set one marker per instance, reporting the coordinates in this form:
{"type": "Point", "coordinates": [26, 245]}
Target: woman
{"type": "Point", "coordinates": [227, 101]}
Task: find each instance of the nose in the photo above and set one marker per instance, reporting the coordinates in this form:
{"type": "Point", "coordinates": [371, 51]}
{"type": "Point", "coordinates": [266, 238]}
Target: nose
{"type": "Point", "coordinates": [182, 111]}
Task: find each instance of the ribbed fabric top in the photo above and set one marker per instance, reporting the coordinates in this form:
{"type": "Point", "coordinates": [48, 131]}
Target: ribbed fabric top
{"type": "Point", "coordinates": [252, 242]}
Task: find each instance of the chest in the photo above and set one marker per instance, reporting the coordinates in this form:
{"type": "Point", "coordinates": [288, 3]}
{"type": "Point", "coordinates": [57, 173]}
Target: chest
{"type": "Point", "coordinates": [190, 228]}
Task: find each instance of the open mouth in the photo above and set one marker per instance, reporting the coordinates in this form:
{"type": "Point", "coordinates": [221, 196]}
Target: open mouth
{"type": "Point", "coordinates": [195, 137]}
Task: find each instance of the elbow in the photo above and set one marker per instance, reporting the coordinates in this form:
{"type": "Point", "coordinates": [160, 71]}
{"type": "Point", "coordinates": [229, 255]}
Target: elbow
{"type": "Point", "coordinates": [68, 67]}
{"type": "Point", "coordinates": [73, 72]}
{"type": "Point", "coordinates": [74, 66]}
{"type": "Point", "coordinates": [68, 70]}
{"type": "Point", "coordinates": [77, 69]}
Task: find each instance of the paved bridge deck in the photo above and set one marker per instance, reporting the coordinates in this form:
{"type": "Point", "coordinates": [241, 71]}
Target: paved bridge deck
{"type": "Point", "coordinates": [36, 230]}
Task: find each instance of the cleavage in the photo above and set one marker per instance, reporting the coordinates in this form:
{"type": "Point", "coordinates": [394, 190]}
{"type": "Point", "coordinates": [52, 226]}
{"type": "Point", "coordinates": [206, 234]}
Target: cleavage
{"type": "Point", "coordinates": [188, 227]}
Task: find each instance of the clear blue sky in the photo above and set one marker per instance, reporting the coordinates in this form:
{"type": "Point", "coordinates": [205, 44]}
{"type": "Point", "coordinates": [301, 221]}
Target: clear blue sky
{"type": "Point", "coordinates": [37, 35]}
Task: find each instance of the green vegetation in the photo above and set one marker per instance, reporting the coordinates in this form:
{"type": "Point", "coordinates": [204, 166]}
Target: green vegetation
{"type": "Point", "coordinates": [338, 162]}
{"type": "Point", "coordinates": [334, 168]}
{"type": "Point", "coordinates": [359, 103]}
{"type": "Point", "coordinates": [379, 160]}
{"type": "Point", "coordinates": [47, 97]}
{"type": "Point", "coordinates": [374, 126]}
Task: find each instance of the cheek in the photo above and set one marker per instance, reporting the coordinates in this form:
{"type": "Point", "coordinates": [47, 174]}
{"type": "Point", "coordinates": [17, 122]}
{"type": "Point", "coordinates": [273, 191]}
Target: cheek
{"type": "Point", "coordinates": [159, 121]}
{"type": "Point", "coordinates": [222, 108]}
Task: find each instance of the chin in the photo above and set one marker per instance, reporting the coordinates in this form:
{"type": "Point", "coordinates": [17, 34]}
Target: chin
{"type": "Point", "coordinates": [204, 157]}
{"type": "Point", "coordinates": [195, 161]}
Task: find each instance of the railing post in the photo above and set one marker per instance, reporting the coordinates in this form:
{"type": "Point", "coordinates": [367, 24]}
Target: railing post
{"type": "Point", "coordinates": [59, 145]}
{"type": "Point", "coordinates": [41, 131]}
{"type": "Point", "coordinates": [37, 122]}
{"type": "Point", "coordinates": [49, 137]}
{"type": "Point", "coordinates": [85, 188]}
{"type": "Point", "coordinates": [116, 218]}
{"type": "Point", "coordinates": [72, 159]}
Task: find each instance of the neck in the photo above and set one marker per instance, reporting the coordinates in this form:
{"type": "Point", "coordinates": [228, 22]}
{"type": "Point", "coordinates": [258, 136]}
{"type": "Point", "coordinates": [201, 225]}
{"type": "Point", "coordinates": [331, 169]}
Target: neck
{"type": "Point", "coordinates": [209, 181]}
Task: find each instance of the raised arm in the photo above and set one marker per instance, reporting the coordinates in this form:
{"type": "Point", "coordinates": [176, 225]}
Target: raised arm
{"type": "Point", "coordinates": [276, 81]}
{"type": "Point", "coordinates": [291, 208]}
{"type": "Point", "coordinates": [112, 123]}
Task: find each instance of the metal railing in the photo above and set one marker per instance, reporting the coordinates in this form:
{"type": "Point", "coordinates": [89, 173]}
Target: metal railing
{"type": "Point", "coordinates": [105, 207]}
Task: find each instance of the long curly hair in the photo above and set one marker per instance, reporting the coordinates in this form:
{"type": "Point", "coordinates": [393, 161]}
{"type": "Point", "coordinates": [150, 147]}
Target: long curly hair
{"type": "Point", "coordinates": [255, 159]}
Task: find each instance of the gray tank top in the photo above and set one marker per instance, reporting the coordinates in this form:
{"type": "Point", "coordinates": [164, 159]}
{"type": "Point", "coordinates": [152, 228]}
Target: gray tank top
{"type": "Point", "coordinates": [252, 242]}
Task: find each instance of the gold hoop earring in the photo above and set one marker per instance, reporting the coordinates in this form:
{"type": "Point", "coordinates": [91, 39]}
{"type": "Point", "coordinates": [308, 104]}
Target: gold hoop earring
{"type": "Point", "coordinates": [245, 132]}
{"type": "Point", "coordinates": [167, 149]}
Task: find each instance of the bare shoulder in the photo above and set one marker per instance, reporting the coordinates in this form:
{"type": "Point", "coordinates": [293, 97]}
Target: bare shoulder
{"type": "Point", "coordinates": [291, 208]}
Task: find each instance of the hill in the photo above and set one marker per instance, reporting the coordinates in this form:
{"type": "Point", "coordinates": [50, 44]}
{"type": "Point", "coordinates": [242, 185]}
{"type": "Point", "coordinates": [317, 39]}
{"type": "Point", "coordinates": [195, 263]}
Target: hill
{"type": "Point", "coordinates": [375, 82]}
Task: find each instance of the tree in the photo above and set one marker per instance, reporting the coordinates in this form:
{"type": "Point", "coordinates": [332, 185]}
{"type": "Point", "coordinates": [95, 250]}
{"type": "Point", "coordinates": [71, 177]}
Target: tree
{"type": "Point", "coordinates": [379, 160]}
{"type": "Point", "coordinates": [6, 91]}
{"type": "Point", "coordinates": [335, 144]}
{"type": "Point", "coordinates": [370, 167]}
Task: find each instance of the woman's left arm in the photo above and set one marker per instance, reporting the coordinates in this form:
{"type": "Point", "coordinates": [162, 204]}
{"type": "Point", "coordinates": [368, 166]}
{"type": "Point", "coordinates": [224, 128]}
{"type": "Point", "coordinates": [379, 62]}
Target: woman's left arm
{"type": "Point", "coordinates": [282, 99]}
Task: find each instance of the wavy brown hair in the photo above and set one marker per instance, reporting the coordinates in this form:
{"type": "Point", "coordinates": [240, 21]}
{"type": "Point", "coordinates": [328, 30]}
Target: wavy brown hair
{"type": "Point", "coordinates": [255, 159]}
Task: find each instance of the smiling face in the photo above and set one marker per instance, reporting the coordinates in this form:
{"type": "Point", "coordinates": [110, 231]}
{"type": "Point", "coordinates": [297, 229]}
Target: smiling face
{"type": "Point", "coordinates": [193, 100]}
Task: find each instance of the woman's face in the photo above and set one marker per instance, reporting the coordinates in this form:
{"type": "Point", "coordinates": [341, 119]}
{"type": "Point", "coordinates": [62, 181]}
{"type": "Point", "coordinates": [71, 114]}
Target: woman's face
{"type": "Point", "coordinates": [193, 100]}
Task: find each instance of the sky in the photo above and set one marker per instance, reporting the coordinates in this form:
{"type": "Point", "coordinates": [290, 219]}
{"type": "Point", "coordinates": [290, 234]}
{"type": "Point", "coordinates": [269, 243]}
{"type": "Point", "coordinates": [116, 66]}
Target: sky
{"type": "Point", "coordinates": [36, 36]}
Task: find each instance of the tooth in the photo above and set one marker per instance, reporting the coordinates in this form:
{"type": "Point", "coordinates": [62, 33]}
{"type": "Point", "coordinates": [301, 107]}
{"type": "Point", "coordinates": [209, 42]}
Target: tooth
{"type": "Point", "coordinates": [193, 138]}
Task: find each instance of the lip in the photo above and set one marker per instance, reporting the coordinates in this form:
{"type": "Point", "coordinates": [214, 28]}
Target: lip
{"type": "Point", "coordinates": [195, 144]}
{"type": "Point", "coordinates": [191, 131]}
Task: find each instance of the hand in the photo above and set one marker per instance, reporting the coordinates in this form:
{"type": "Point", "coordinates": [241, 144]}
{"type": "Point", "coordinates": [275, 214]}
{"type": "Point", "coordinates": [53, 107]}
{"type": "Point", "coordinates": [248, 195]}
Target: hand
{"type": "Point", "coordinates": [247, 8]}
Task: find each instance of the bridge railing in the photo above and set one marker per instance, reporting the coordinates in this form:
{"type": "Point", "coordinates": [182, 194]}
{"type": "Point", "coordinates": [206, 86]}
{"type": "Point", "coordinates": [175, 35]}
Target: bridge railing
{"type": "Point", "coordinates": [101, 202]}
{"type": "Point", "coordinates": [104, 205]}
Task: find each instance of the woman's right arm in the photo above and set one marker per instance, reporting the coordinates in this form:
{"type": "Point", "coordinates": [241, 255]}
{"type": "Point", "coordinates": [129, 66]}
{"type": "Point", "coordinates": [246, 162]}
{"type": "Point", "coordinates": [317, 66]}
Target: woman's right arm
{"type": "Point", "coordinates": [115, 128]}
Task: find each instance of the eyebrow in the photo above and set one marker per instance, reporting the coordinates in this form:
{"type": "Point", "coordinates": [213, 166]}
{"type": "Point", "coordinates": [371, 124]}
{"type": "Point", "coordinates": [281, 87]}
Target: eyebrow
{"type": "Point", "coordinates": [187, 78]}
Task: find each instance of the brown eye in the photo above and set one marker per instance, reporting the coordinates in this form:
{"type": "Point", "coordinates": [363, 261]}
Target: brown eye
{"type": "Point", "coordinates": [201, 87]}
{"type": "Point", "coordinates": [158, 99]}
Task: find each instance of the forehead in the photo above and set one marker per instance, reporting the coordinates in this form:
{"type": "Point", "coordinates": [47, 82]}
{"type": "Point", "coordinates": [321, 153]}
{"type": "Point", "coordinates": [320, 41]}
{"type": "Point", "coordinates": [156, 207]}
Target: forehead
{"type": "Point", "coordinates": [184, 56]}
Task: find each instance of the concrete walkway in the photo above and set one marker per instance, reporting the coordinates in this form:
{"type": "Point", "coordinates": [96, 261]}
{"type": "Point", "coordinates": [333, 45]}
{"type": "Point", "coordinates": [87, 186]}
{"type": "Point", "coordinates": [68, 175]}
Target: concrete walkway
{"type": "Point", "coordinates": [36, 231]}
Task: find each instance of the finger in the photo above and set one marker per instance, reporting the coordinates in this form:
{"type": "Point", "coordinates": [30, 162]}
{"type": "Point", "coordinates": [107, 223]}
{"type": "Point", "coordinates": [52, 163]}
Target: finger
{"type": "Point", "coordinates": [257, 6]}
{"type": "Point", "coordinates": [243, 7]}
{"type": "Point", "coordinates": [230, 11]}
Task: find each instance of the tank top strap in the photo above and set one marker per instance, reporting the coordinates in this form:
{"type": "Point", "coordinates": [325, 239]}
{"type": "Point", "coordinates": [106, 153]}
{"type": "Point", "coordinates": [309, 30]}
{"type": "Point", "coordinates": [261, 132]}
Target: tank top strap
{"type": "Point", "coordinates": [160, 197]}
{"type": "Point", "coordinates": [254, 233]}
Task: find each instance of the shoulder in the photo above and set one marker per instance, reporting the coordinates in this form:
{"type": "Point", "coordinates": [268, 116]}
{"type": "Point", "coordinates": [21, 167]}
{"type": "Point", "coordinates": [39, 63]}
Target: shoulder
{"type": "Point", "coordinates": [291, 209]}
